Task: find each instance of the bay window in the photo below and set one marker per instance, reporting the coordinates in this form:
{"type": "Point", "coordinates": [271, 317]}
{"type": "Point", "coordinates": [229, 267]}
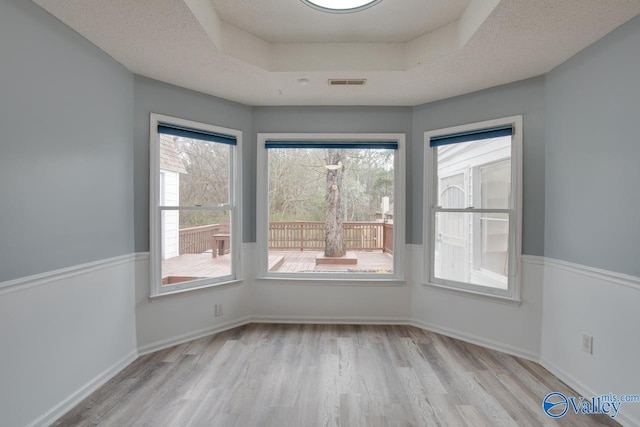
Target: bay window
{"type": "Point", "coordinates": [194, 204]}
{"type": "Point", "coordinates": [331, 206]}
{"type": "Point", "coordinates": [473, 195]}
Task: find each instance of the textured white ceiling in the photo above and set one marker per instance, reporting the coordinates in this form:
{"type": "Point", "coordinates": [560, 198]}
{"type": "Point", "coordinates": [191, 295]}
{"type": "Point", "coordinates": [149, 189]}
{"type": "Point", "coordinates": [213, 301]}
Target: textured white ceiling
{"type": "Point", "coordinates": [189, 44]}
{"type": "Point", "coordinates": [291, 21]}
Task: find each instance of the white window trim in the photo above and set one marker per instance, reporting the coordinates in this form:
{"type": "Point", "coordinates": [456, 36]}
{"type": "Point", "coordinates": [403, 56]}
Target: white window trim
{"type": "Point", "coordinates": [235, 195]}
{"type": "Point", "coordinates": [262, 209]}
{"type": "Point", "coordinates": [513, 293]}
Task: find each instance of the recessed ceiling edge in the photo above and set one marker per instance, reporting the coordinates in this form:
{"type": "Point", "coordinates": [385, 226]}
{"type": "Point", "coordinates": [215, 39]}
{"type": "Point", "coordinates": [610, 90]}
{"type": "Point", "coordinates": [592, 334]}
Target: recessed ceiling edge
{"type": "Point", "coordinates": [326, 9]}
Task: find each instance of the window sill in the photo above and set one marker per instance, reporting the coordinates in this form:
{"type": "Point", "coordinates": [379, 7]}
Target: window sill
{"type": "Point", "coordinates": [321, 281]}
{"type": "Point", "coordinates": [500, 299]}
{"type": "Point", "coordinates": [194, 289]}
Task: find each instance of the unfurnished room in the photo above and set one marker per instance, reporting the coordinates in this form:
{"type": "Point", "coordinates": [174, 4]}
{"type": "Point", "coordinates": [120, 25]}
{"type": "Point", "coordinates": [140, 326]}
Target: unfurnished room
{"type": "Point", "coordinates": [299, 213]}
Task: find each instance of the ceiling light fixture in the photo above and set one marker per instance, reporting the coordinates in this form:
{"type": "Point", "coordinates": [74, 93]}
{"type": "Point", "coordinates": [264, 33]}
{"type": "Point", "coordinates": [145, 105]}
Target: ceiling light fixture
{"type": "Point", "coordinates": [341, 6]}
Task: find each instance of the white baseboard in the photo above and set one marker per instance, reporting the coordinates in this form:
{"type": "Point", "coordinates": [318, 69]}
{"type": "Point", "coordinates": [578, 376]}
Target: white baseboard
{"type": "Point", "coordinates": [83, 392]}
{"type": "Point", "coordinates": [180, 339]}
{"type": "Point", "coordinates": [328, 320]}
{"type": "Point", "coordinates": [477, 340]}
{"type": "Point", "coordinates": [583, 390]}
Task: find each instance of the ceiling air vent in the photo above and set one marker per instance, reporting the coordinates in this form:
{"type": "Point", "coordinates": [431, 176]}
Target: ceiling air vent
{"type": "Point", "coordinates": [347, 82]}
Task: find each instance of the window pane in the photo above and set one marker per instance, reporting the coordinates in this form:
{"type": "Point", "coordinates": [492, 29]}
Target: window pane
{"type": "Point", "coordinates": [452, 192]}
{"type": "Point", "coordinates": [494, 243]}
{"type": "Point", "coordinates": [495, 185]}
{"type": "Point", "coordinates": [195, 172]}
{"type": "Point", "coordinates": [194, 245]}
{"type": "Point", "coordinates": [475, 174]}
{"type": "Point", "coordinates": [325, 200]}
{"type": "Point", "coordinates": [472, 248]}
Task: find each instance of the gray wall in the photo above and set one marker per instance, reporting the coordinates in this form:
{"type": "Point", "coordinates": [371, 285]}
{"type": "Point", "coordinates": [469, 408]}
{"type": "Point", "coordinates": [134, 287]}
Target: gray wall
{"type": "Point", "coordinates": [592, 105]}
{"type": "Point", "coordinates": [524, 97]}
{"type": "Point", "coordinates": [339, 119]}
{"type": "Point", "coordinates": [66, 115]}
{"type": "Point", "coordinates": [152, 96]}
{"type": "Point", "coordinates": [66, 169]}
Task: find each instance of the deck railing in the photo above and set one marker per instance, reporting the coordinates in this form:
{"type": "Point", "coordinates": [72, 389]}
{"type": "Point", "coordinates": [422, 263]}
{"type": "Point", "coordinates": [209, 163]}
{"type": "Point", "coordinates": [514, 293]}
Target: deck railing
{"type": "Point", "coordinates": [300, 236]}
{"type": "Point", "coordinates": [196, 240]}
{"type": "Point", "coordinates": [388, 237]}
{"type": "Point", "coordinates": [309, 235]}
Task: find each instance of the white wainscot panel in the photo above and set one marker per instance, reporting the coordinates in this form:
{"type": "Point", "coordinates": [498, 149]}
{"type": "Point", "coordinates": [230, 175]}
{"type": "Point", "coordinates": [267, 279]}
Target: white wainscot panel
{"type": "Point", "coordinates": [63, 334]}
{"type": "Point", "coordinates": [605, 305]}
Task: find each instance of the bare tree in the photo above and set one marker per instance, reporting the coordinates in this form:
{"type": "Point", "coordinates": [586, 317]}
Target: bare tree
{"type": "Point", "coordinates": [334, 243]}
{"type": "Point", "coordinates": [296, 185]}
{"type": "Point", "coordinates": [206, 182]}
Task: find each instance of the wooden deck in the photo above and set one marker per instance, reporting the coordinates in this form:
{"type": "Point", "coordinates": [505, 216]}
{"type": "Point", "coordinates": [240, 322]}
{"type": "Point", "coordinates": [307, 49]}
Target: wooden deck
{"type": "Point", "coordinates": [193, 266]}
{"type": "Point", "coordinates": [305, 262]}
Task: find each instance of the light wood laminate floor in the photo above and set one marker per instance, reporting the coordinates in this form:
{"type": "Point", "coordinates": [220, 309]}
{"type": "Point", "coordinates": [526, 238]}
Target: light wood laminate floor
{"type": "Point", "coordinates": [326, 375]}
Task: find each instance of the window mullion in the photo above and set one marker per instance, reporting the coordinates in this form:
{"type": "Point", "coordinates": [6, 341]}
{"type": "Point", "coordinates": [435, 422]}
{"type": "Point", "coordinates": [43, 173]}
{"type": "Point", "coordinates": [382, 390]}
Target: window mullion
{"type": "Point", "coordinates": [197, 208]}
{"type": "Point", "coordinates": [471, 210]}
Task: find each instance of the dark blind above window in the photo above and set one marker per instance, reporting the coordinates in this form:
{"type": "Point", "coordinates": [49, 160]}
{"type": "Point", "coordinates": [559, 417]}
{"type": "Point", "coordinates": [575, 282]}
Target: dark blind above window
{"type": "Point", "coordinates": [473, 135]}
{"type": "Point", "coordinates": [389, 145]}
{"type": "Point", "coordinates": [186, 132]}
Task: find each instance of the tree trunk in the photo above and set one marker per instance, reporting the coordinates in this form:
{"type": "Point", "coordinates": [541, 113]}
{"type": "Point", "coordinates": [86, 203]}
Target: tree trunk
{"type": "Point", "coordinates": [334, 244]}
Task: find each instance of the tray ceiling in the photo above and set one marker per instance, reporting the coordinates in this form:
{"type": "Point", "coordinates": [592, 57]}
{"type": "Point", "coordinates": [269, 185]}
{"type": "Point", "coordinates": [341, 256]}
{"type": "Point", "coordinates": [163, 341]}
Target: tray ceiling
{"type": "Point", "coordinates": [291, 21]}
{"type": "Point", "coordinates": [410, 51]}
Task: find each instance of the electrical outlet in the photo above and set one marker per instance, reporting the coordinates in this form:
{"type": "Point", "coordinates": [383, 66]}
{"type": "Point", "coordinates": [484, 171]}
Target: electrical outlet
{"type": "Point", "coordinates": [587, 343]}
{"type": "Point", "coordinates": [219, 310]}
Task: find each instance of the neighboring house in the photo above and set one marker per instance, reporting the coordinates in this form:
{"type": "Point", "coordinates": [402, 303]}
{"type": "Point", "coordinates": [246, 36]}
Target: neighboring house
{"type": "Point", "coordinates": [476, 174]}
{"type": "Point", "coordinates": [386, 216]}
{"type": "Point", "coordinates": [171, 166]}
